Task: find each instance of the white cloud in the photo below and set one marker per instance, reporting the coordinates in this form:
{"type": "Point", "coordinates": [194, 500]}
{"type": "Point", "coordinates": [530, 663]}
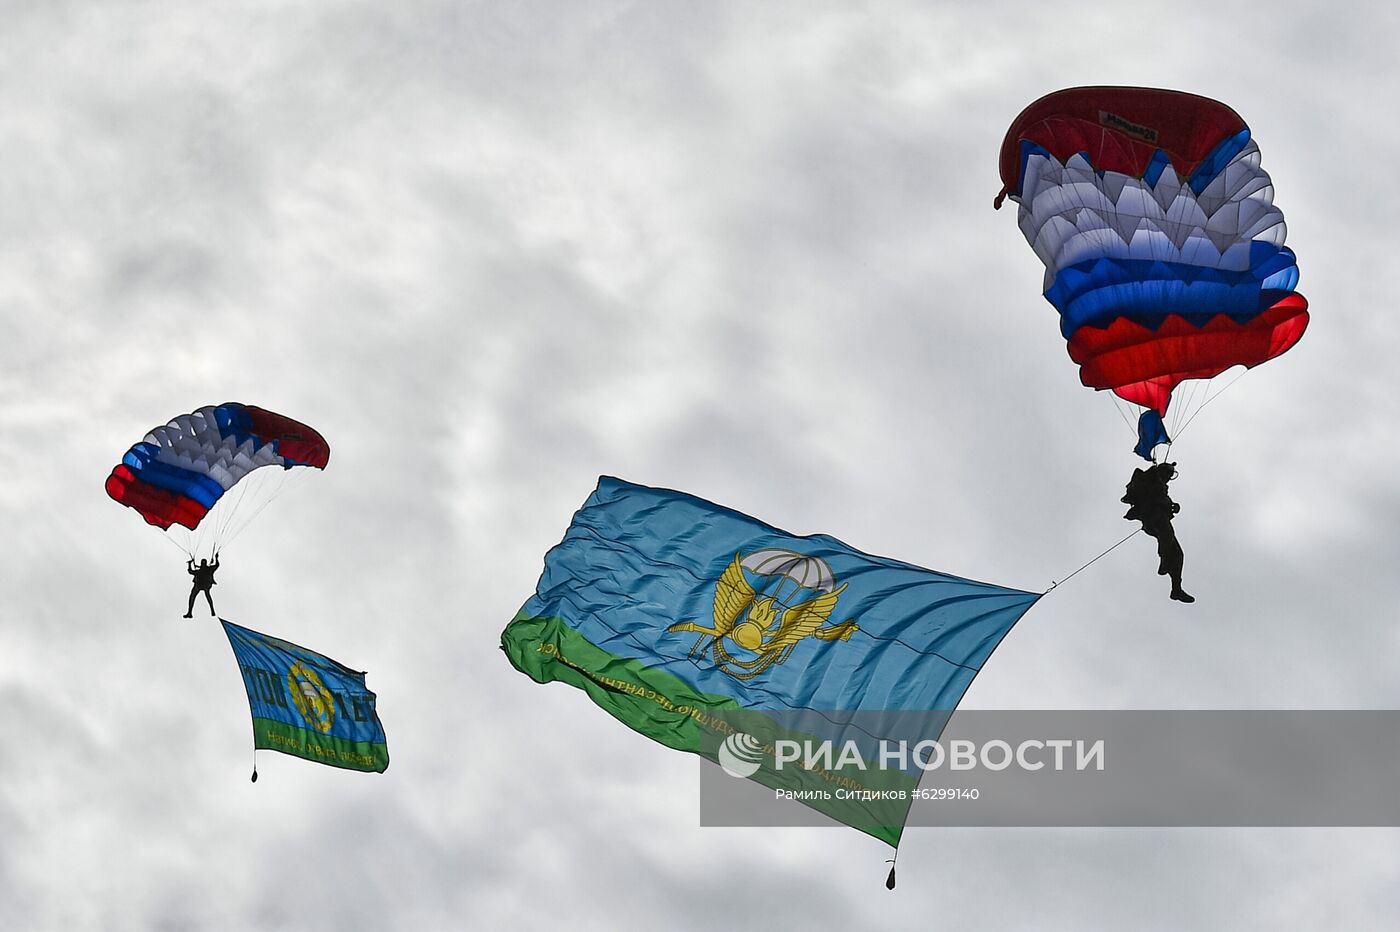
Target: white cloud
{"type": "Point", "coordinates": [494, 251]}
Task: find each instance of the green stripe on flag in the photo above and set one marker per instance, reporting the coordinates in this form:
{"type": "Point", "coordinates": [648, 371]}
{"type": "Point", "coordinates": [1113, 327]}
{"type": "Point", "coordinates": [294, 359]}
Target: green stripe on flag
{"type": "Point", "coordinates": [323, 749]}
{"type": "Point", "coordinates": [674, 713]}
{"type": "Point", "coordinates": [643, 698]}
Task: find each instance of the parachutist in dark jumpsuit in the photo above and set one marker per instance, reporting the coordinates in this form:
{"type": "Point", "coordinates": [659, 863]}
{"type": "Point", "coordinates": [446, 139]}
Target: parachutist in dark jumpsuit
{"type": "Point", "coordinates": [1149, 503]}
{"type": "Point", "coordinates": [203, 579]}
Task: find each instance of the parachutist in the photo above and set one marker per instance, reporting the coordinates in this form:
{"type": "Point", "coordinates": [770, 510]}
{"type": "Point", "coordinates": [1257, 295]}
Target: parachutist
{"type": "Point", "coordinates": [1149, 503]}
{"type": "Point", "coordinates": [203, 579]}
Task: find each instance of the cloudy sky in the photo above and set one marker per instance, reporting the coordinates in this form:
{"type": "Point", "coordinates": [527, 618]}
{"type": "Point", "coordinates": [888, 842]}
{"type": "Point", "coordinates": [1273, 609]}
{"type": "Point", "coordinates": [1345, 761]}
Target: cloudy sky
{"type": "Point", "coordinates": [493, 251]}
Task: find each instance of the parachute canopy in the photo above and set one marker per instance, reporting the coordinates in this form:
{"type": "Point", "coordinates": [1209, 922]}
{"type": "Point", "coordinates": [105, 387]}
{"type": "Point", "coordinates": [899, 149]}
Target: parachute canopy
{"type": "Point", "coordinates": [1163, 249]}
{"type": "Point", "coordinates": [177, 474]}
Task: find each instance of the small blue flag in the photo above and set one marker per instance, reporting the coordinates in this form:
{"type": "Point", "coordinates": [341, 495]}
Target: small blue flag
{"type": "Point", "coordinates": [1151, 432]}
{"type": "Point", "coordinates": [308, 705]}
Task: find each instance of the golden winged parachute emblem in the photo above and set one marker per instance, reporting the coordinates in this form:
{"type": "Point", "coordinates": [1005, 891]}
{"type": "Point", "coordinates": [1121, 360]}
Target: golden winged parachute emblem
{"type": "Point", "coordinates": [799, 593]}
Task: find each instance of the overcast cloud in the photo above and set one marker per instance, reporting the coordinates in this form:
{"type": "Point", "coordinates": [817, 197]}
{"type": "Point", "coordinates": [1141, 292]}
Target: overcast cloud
{"type": "Point", "coordinates": [493, 251]}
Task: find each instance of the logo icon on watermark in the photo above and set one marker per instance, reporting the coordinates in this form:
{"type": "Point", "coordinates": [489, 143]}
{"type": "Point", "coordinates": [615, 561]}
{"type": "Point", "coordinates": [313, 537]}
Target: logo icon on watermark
{"type": "Point", "coordinates": [741, 755]}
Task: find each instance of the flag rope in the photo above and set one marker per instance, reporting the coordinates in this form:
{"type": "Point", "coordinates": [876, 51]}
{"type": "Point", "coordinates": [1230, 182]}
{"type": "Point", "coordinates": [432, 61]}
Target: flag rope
{"type": "Point", "coordinates": [1096, 559]}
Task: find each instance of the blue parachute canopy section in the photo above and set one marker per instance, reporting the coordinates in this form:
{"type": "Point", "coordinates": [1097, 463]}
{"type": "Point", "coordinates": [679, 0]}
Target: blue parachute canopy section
{"type": "Point", "coordinates": [1151, 432]}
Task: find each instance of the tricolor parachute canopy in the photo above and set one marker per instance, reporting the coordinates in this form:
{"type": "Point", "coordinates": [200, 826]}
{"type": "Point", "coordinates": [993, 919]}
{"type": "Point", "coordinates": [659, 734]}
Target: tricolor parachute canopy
{"type": "Point", "coordinates": [182, 470]}
{"type": "Point", "coordinates": [1163, 249]}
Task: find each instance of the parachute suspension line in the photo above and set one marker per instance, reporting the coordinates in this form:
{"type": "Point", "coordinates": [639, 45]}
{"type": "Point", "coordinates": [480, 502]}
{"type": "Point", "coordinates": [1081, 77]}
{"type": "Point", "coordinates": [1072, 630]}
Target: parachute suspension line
{"type": "Point", "coordinates": [233, 521]}
{"type": "Point", "coordinates": [1129, 421]}
{"type": "Point", "coordinates": [1208, 400]}
{"type": "Point", "coordinates": [229, 515]}
{"type": "Point", "coordinates": [889, 881]}
{"type": "Point", "coordinates": [1176, 414]}
{"type": "Point", "coordinates": [178, 546]}
{"type": "Point", "coordinates": [255, 766]}
{"type": "Point", "coordinates": [226, 514]}
{"type": "Point", "coordinates": [285, 479]}
{"type": "Point", "coordinates": [1189, 408]}
{"type": "Point", "coordinates": [1096, 559]}
{"type": "Point", "coordinates": [1174, 408]}
{"type": "Point", "coordinates": [1239, 375]}
{"type": "Point", "coordinates": [227, 518]}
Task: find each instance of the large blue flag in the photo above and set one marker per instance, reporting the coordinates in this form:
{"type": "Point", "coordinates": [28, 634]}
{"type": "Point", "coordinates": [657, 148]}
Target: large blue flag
{"type": "Point", "coordinates": [670, 611]}
{"type": "Point", "coordinates": [308, 705]}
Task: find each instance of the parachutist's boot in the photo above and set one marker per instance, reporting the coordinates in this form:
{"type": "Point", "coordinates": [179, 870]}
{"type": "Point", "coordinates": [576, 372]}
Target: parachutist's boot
{"type": "Point", "coordinates": [1181, 595]}
{"type": "Point", "coordinates": [187, 615]}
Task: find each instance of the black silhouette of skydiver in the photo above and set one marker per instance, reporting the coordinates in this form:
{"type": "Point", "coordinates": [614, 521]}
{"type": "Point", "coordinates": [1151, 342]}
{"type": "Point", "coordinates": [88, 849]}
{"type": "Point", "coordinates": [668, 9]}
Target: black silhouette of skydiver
{"type": "Point", "coordinates": [1149, 503]}
{"type": "Point", "coordinates": [203, 579]}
